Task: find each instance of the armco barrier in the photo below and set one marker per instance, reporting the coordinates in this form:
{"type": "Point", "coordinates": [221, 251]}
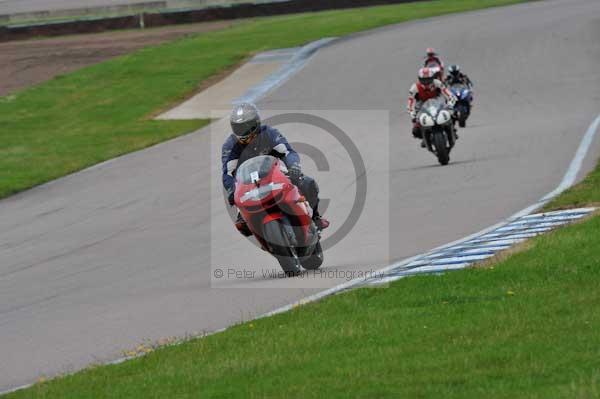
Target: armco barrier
{"type": "Point", "coordinates": [68, 28]}
{"type": "Point", "coordinates": [244, 10]}
{"type": "Point", "coordinates": [82, 12]}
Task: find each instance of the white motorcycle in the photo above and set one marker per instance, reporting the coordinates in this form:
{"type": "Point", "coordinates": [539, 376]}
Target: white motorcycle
{"type": "Point", "coordinates": [437, 127]}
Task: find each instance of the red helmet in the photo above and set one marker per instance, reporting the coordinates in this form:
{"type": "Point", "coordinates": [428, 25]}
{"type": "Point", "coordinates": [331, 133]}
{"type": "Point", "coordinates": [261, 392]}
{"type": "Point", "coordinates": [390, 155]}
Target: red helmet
{"type": "Point", "coordinates": [431, 52]}
{"type": "Point", "coordinates": [426, 76]}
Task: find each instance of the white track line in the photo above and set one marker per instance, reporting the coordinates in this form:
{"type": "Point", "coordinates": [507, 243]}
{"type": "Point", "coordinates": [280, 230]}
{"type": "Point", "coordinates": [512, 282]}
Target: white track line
{"type": "Point", "coordinates": [276, 79]}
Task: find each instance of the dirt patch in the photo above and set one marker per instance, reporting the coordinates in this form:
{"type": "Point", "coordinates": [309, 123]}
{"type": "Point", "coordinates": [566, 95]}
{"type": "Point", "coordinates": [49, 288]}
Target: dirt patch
{"type": "Point", "coordinates": [26, 63]}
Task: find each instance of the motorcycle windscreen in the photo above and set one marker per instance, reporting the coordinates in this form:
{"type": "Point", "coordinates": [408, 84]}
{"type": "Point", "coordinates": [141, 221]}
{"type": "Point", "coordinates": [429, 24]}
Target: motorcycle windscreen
{"type": "Point", "coordinates": [255, 169]}
{"type": "Point", "coordinates": [461, 92]}
{"type": "Point", "coordinates": [458, 87]}
{"type": "Point", "coordinates": [433, 106]}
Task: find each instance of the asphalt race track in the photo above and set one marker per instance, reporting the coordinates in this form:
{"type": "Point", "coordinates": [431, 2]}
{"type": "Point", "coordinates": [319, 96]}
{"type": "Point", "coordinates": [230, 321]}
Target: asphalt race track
{"type": "Point", "coordinates": [95, 263]}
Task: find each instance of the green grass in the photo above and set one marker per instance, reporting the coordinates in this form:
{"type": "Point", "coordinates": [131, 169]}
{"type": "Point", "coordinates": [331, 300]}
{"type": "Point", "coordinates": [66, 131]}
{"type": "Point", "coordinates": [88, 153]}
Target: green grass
{"type": "Point", "coordinates": [586, 193]}
{"type": "Point", "coordinates": [103, 111]}
{"type": "Point", "coordinates": [528, 327]}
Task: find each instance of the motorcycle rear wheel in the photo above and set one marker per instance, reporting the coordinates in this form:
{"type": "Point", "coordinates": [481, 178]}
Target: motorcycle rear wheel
{"type": "Point", "coordinates": [281, 247]}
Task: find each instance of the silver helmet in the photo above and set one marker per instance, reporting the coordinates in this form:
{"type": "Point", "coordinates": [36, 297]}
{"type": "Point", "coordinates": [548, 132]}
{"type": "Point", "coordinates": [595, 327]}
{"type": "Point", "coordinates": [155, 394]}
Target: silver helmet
{"type": "Point", "coordinates": [245, 122]}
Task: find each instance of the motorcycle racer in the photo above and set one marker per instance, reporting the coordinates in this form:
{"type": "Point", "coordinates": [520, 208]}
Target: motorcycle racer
{"type": "Point", "coordinates": [427, 87]}
{"type": "Point", "coordinates": [456, 76]}
{"type": "Point", "coordinates": [249, 139]}
{"type": "Point", "coordinates": [433, 60]}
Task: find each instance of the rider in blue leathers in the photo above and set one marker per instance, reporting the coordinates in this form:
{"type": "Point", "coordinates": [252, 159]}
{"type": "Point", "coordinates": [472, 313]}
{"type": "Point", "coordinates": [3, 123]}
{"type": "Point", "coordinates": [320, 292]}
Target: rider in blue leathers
{"type": "Point", "coordinates": [456, 76]}
{"type": "Point", "coordinates": [250, 139]}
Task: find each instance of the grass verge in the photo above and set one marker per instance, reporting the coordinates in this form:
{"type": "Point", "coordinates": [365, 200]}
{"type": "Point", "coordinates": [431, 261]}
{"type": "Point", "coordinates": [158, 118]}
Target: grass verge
{"type": "Point", "coordinates": [586, 193]}
{"type": "Point", "coordinates": [103, 111]}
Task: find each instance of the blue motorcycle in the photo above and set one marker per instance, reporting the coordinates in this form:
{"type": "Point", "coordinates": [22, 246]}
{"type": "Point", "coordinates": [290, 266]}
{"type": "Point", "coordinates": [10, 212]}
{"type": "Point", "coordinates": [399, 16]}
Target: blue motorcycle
{"type": "Point", "coordinates": [462, 108]}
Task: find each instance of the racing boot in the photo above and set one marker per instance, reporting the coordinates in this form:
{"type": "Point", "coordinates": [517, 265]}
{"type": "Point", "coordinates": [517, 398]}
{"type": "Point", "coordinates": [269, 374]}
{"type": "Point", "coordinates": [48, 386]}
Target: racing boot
{"type": "Point", "coordinates": [320, 221]}
{"type": "Point", "coordinates": [416, 130]}
{"type": "Point", "coordinates": [242, 226]}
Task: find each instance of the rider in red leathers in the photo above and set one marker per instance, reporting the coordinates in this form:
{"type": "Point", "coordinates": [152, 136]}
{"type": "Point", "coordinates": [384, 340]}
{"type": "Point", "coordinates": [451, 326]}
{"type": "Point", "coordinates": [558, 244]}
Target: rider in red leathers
{"type": "Point", "coordinates": [427, 87]}
{"type": "Point", "coordinates": [432, 60]}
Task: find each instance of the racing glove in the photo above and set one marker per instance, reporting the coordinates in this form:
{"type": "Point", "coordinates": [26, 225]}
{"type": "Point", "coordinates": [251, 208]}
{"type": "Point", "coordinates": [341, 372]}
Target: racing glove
{"type": "Point", "coordinates": [295, 174]}
{"type": "Point", "coordinates": [451, 102]}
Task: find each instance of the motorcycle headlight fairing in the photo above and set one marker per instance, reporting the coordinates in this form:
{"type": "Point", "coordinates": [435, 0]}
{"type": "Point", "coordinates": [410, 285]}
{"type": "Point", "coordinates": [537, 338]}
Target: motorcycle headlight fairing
{"type": "Point", "coordinates": [443, 117]}
{"type": "Point", "coordinates": [426, 120]}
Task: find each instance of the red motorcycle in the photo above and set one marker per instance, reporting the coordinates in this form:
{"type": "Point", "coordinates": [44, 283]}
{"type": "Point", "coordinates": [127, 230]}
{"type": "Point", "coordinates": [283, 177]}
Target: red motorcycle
{"type": "Point", "coordinates": [277, 214]}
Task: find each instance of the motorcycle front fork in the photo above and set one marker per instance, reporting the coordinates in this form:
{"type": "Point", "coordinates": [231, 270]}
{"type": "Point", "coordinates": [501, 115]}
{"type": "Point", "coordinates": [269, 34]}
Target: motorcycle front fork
{"type": "Point", "coordinates": [450, 133]}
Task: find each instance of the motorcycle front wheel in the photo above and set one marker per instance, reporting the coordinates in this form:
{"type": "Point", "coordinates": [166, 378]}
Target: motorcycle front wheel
{"type": "Point", "coordinates": [314, 261]}
{"type": "Point", "coordinates": [276, 235]}
{"type": "Point", "coordinates": [441, 147]}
